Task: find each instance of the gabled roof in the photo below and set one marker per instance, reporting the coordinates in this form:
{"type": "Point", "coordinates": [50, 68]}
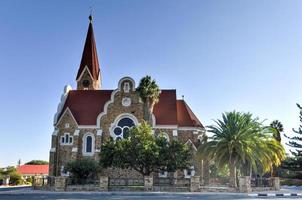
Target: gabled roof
{"type": "Point", "coordinates": [185, 115]}
{"type": "Point", "coordinates": [90, 56]}
{"type": "Point", "coordinates": [86, 105]}
{"type": "Point", "coordinates": [33, 169]}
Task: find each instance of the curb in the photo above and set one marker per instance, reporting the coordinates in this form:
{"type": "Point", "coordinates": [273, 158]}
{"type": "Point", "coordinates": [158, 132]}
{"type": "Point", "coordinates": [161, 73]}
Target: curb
{"type": "Point", "coordinates": [275, 195]}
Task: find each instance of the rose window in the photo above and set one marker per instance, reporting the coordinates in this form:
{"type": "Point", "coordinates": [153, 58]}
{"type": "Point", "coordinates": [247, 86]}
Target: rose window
{"type": "Point", "coordinates": [121, 130]}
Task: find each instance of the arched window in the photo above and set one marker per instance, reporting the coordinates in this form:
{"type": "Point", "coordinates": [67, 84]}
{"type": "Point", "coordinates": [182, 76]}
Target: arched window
{"type": "Point", "coordinates": [122, 127]}
{"type": "Point", "coordinates": [88, 144]}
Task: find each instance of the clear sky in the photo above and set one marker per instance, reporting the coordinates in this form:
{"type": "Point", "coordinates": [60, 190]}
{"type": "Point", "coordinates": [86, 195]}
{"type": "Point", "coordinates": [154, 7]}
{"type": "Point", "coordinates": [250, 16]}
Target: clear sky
{"type": "Point", "coordinates": [222, 55]}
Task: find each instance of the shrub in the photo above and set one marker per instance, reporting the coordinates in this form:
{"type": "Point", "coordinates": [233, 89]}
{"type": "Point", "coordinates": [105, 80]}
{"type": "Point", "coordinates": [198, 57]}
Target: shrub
{"type": "Point", "coordinates": [83, 169]}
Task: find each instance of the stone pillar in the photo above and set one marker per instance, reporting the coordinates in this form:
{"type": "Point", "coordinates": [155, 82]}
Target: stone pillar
{"type": "Point", "coordinates": [104, 181]}
{"type": "Point", "coordinates": [148, 183]}
{"type": "Point", "coordinates": [245, 184]}
{"type": "Point", "coordinates": [60, 183]}
{"type": "Point", "coordinates": [6, 180]}
{"type": "Point", "coordinates": [275, 183]}
{"type": "Point", "coordinates": [195, 184]}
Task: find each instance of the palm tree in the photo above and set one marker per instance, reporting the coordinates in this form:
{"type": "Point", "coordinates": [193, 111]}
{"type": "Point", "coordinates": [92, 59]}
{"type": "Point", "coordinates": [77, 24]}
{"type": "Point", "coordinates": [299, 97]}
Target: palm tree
{"type": "Point", "coordinates": [277, 125]}
{"type": "Point", "coordinates": [240, 140]}
{"type": "Point", "coordinates": [149, 92]}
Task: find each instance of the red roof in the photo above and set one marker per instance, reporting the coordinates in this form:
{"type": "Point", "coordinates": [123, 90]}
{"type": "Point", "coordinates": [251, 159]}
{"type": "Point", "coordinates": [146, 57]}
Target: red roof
{"type": "Point", "coordinates": [86, 105]}
{"type": "Point", "coordinates": [90, 55]}
{"type": "Point", "coordinates": [33, 169]}
{"type": "Point", "coordinates": [185, 115]}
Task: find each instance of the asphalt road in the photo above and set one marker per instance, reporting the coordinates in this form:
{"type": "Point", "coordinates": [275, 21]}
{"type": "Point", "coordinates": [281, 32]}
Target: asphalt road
{"type": "Point", "coordinates": [95, 196]}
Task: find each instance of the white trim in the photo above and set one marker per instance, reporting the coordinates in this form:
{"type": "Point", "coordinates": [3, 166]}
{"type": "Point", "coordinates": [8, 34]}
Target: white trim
{"type": "Point", "coordinates": [190, 141]}
{"type": "Point", "coordinates": [165, 175]}
{"type": "Point", "coordinates": [76, 132]}
{"type": "Point", "coordinates": [192, 168]}
{"type": "Point", "coordinates": [74, 149]}
{"type": "Point", "coordinates": [117, 119]}
{"type": "Point", "coordinates": [187, 128]}
{"type": "Point", "coordinates": [126, 87]}
{"type": "Point", "coordinates": [52, 150]}
{"type": "Point", "coordinates": [126, 102]}
{"type": "Point", "coordinates": [166, 126]}
{"type": "Point", "coordinates": [66, 90]}
{"type": "Point", "coordinates": [127, 78]}
{"type": "Point", "coordinates": [85, 68]}
{"type": "Point", "coordinates": [98, 119]}
{"type": "Point", "coordinates": [67, 110]}
{"type": "Point", "coordinates": [99, 132]}
{"type": "Point", "coordinates": [55, 132]}
{"type": "Point", "coordinates": [69, 137]}
{"type": "Point", "coordinates": [85, 144]}
{"type": "Point", "coordinates": [87, 127]}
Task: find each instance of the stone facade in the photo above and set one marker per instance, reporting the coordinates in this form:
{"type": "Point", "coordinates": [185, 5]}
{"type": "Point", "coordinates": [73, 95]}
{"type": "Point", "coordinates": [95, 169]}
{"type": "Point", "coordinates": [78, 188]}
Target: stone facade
{"type": "Point", "coordinates": [62, 153]}
{"type": "Point", "coordinates": [74, 139]}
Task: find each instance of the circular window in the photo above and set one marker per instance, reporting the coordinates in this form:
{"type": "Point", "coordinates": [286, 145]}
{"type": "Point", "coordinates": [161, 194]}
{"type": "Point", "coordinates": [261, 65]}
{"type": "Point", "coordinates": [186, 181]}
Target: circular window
{"type": "Point", "coordinates": [86, 83]}
{"type": "Point", "coordinates": [121, 130]}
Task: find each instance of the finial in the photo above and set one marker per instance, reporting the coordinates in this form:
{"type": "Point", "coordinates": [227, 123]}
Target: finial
{"type": "Point", "coordinates": [90, 16]}
{"type": "Point", "coordinates": [183, 97]}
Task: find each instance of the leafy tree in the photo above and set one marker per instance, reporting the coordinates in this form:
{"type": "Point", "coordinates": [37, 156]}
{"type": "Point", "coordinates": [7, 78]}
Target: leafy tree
{"type": "Point", "coordinates": [145, 153]}
{"type": "Point", "coordinates": [83, 169]}
{"type": "Point", "coordinates": [37, 162]}
{"type": "Point", "coordinates": [295, 142]}
{"type": "Point", "coordinates": [149, 92]}
{"type": "Point", "coordinates": [239, 140]}
{"type": "Point", "coordinates": [15, 179]}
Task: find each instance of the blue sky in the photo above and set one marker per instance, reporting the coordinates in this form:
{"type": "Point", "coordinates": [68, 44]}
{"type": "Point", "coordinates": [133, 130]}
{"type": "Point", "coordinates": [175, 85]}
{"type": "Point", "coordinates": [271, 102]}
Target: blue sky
{"type": "Point", "coordinates": [222, 55]}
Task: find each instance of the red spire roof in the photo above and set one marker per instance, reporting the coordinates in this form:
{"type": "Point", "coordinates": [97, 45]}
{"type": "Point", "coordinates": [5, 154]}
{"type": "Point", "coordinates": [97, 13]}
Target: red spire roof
{"type": "Point", "coordinates": [90, 56]}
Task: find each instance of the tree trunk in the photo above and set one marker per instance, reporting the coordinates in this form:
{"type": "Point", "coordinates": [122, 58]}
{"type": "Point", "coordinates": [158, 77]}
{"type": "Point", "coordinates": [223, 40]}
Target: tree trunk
{"type": "Point", "coordinates": [148, 110]}
{"type": "Point", "coordinates": [232, 179]}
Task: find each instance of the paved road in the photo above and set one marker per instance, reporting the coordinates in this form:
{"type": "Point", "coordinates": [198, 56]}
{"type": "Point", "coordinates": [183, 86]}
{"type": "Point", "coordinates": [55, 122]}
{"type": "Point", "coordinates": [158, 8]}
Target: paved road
{"type": "Point", "coordinates": [98, 196]}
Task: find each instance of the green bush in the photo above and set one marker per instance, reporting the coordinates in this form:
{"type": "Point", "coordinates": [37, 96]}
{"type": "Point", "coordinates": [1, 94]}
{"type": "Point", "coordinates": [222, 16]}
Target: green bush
{"type": "Point", "coordinates": [15, 179]}
{"type": "Point", "coordinates": [83, 169]}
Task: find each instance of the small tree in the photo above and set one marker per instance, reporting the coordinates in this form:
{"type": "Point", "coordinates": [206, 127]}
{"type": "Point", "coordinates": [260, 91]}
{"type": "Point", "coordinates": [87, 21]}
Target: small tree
{"type": "Point", "coordinates": [83, 169]}
{"type": "Point", "coordinates": [145, 153]}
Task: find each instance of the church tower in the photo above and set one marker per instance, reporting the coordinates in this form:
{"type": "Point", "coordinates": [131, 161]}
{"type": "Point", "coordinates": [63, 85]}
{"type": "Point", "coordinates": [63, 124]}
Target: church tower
{"type": "Point", "coordinates": [89, 76]}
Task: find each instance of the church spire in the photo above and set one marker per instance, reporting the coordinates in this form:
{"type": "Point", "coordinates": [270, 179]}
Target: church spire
{"type": "Point", "coordinates": [88, 76]}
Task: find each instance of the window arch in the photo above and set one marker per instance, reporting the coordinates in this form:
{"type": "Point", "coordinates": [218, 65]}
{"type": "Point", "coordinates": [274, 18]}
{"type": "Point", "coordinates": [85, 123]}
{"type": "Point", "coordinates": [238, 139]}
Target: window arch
{"type": "Point", "coordinates": [121, 126]}
{"type": "Point", "coordinates": [88, 144]}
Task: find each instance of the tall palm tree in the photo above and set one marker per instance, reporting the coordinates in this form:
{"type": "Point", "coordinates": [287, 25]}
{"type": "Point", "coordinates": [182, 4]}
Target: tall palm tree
{"type": "Point", "coordinates": [239, 139]}
{"type": "Point", "coordinates": [149, 92]}
{"type": "Point", "coordinates": [277, 125]}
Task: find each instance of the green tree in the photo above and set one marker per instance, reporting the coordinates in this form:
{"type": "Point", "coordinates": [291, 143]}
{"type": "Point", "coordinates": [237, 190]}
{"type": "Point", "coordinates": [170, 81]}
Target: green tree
{"type": "Point", "coordinates": [149, 92]}
{"type": "Point", "coordinates": [145, 153]}
{"type": "Point", "coordinates": [278, 127]}
{"type": "Point", "coordinates": [239, 140]}
{"type": "Point", "coordinates": [37, 162]}
{"type": "Point", "coordinates": [83, 168]}
{"type": "Point", "coordinates": [295, 163]}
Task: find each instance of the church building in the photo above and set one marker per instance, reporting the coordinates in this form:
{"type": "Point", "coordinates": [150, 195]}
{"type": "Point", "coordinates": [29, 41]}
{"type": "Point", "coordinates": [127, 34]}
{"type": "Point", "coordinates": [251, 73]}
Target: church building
{"type": "Point", "coordinates": [89, 114]}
